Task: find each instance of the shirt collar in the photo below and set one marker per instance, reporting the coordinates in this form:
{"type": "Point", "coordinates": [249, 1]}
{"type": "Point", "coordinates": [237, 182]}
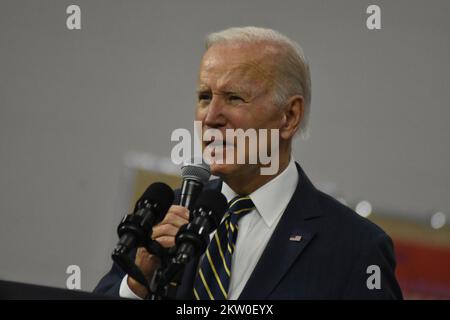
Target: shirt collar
{"type": "Point", "coordinates": [272, 198]}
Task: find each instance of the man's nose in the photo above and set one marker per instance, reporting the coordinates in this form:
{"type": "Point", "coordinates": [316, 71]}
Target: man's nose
{"type": "Point", "coordinates": [215, 116]}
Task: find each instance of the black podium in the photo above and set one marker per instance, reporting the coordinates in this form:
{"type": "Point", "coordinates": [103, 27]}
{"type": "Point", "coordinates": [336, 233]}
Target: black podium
{"type": "Point", "coordinates": [21, 291]}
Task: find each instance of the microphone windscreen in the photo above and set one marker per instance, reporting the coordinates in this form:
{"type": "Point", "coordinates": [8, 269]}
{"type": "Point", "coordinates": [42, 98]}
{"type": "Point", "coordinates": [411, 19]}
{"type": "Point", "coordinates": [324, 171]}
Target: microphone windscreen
{"type": "Point", "coordinates": [215, 201]}
{"type": "Point", "coordinates": [196, 170]}
{"type": "Point", "coordinates": [157, 193]}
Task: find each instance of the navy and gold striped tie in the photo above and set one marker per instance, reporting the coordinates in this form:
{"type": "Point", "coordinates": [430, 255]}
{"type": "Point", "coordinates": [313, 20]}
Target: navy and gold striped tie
{"type": "Point", "coordinates": [213, 277]}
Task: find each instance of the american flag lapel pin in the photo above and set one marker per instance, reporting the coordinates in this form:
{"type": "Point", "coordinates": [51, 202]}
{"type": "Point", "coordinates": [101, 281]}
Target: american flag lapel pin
{"type": "Point", "coordinates": [295, 238]}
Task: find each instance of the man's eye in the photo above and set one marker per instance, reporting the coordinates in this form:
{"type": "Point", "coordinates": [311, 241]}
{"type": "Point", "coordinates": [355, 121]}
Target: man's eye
{"type": "Point", "coordinates": [236, 98]}
{"type": "Point", "coordinates": [204, 96]}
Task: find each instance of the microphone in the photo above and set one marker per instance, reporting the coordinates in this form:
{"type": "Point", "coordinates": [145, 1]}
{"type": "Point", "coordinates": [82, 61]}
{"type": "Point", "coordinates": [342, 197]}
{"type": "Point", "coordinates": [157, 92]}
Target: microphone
{"type": "Point", "coordinates": [193, 238]}
{"type": "Point", "coordinates": [136, 229]}
{"type": "Point", "coordinates": [191, 241]}
{"type": "Point", "coordinates": [194, 176]}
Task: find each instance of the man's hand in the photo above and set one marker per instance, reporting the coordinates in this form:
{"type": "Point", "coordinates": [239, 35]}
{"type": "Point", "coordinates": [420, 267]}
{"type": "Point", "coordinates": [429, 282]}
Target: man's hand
{"type": "Point", "coordinates": [164, 233]}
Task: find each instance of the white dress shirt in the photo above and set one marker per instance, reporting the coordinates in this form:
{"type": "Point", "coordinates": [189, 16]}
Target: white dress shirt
{"type": "Point", "coordinates": [255, 228]}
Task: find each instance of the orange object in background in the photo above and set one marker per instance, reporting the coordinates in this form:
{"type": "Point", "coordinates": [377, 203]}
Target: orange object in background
{"type": "Point", "coordinates": [423, 270]}
{"type": "Point", "coordinates": [422, 254]}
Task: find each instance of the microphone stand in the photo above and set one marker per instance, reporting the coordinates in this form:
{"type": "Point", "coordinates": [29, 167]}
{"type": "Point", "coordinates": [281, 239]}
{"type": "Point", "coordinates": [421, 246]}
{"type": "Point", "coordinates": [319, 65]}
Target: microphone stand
{"type": "Point", "coordinates": [166, 278]}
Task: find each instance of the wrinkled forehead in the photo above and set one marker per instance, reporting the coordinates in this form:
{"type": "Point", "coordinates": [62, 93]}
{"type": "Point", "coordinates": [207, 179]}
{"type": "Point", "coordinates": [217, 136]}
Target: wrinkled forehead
{"type": "Point", "coordinates": [236, 65]}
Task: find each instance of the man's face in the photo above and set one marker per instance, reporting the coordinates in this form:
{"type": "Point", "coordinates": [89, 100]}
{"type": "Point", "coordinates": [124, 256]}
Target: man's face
{"type": "Point", "coordinates": [235, 92]}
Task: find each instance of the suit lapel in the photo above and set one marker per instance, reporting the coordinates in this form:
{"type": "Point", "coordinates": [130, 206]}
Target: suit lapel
{"type": "Point", "coordinates": [285, 246]}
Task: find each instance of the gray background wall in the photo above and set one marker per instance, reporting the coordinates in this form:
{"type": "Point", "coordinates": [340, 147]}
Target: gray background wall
{"type": "Point", "coordinates": [73, 103]}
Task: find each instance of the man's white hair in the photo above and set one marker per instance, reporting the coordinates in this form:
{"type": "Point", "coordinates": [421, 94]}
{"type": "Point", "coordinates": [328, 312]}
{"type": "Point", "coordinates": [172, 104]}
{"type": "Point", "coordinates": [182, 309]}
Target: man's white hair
{"type": "Point", "coordinates": [292, 69]}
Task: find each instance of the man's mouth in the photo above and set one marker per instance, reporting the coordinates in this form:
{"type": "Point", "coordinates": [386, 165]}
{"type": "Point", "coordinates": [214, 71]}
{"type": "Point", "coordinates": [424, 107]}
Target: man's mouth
{"type": "Point", "coordinates": [217, 143]}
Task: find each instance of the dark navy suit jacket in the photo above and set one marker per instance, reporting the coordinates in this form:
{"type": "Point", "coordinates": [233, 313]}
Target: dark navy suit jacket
{"type": "Point", "coordinates": [329, 262]}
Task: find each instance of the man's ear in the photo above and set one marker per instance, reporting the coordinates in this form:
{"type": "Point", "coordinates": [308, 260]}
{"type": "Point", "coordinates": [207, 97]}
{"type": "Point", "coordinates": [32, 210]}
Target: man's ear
{"type": "Point", "coordinates": [293, 111]}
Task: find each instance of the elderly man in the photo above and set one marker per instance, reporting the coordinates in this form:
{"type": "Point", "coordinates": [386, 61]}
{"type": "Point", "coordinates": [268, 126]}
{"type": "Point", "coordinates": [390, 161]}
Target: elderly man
{"type": "Point", "coordinates": [281, 238]}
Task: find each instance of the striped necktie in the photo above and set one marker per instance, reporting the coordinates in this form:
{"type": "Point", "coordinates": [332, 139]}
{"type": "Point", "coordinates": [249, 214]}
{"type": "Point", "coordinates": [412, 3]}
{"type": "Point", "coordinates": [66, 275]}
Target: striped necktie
{"type": "Point", "coordinates": [213, 276]}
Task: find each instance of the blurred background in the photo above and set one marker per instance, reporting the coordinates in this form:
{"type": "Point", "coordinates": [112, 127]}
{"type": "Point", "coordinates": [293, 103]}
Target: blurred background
{"type": "Point", "coordinates": [86, 117]}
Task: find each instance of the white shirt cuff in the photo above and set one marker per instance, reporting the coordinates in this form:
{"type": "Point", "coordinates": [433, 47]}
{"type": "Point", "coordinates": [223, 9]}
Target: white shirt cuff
{"type": "Point", "coordinates": [125, 291]}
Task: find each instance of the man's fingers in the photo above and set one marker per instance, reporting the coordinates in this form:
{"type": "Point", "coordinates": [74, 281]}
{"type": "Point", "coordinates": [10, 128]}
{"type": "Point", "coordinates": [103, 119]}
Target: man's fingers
{"type": "Point", "coordinates": [180, 211]}
{"type": "Point", "coordinates": [141, 251]}
{"type": "Point", "coordinates": [142, 255]}
{"type": "Point", "coordinates": [164, 230]}
{"type": "Point", "coordinates": [174, 220]}
{"type": "Point", "coordinates": [166, 241]}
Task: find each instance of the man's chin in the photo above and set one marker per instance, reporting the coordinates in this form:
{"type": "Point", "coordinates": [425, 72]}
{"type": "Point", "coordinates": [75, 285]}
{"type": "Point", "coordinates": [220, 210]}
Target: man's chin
{"type": "Point", "coordinates": [222, 170]}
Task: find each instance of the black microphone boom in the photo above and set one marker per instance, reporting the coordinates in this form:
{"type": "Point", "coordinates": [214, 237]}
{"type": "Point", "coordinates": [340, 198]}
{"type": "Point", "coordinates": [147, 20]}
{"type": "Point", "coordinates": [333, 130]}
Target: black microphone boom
{"type": "Point", "coordinates": [136, 229]}
{"type": "Point", "coordinates": [193, 238]}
